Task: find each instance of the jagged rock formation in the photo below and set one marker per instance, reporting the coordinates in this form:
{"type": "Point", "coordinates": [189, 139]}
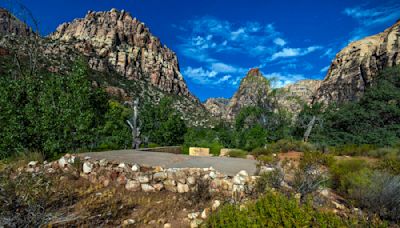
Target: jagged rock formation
{"type": "Point", "coordinates": [293, 96]}
{"type": "Point", "coordinates": [126, 59]}
{"type": "Point", "coordinates": [217, 106]}
{"type": "Point", "coordinates": [115, 39]}
{"type": "Point", "coordinates": [11, 25]}
{"type": "Point", "coordinates": [356, 66]}
{"type": "Point", "coordinates": [253, 91]}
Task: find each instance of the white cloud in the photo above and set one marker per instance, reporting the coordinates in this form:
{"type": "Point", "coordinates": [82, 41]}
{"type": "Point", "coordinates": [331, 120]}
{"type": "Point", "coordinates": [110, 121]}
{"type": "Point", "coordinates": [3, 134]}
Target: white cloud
{"type": "Point", "coordinates": [217, 74]}
{"type": "Point", "coordinates": [282, 79]}
{"type": "Point", "coordinates": [279, 41]}
{"type": "Point", "coordinates": [325, 69]}
{"type": "Point", "coordinates": [209, 36]}
{"type": "Point", "coordinates": [329, 53]}
{"type": "Point", "coordinates": [294, 52]}
{"type": "Point", "coordinates": [370, 18]}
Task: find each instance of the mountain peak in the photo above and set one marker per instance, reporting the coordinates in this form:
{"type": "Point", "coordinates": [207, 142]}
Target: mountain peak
{"type": "Point", "coordinates": [254, 72]}
{"type": "Point", "coordinates": [114, 39]}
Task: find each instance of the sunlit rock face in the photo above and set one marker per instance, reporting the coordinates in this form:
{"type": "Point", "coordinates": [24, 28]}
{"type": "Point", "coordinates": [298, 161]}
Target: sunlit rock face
{"type": "Point", "coordinates": [358, 64]}
{"type": "Point", "coordinates": [115, 39]}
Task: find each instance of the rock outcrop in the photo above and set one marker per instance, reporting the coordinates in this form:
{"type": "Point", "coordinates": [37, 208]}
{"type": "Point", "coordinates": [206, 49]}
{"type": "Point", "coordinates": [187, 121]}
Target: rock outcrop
{"type": "Point", "coordinates": [11, 25]}
{"type": "Point", "coordinates": [116, 40]}
{"type": "Point", "coordinates": [356, 66]}
{"type": "Point", "coordinates": [253, 90]}
{"type": "Point", "coordinates": [293, 96]}
{"type": "Point", "coordinates": [217, 106]}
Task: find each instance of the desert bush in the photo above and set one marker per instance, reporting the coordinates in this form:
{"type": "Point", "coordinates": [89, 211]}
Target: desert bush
{"type": "Point", "coordinates": [286, 145]}
{"type": "Point", "coordinates": [341, 172]}
{"type": "Point", "coordinates": [353, 149]}
{"type": "Point", "coordinates": [275, 210]}
{"type": "Point", "coordinates": [384, 152]}
{"type": "Point", "coordinates": [268, 180]}
{"type": "Point", "coordinates": [267, 160]}
{"type": "Point", "coordinates": [237, 154]}
{"type": "Point", "coordinates": [202, 191]}
{"type": "Point", "coordinates": [262, 151]}
{"type": "Point", "coordinates": [311, 174]}
{"type": "Point", "coordinates": [378, 192]}
{"type": "Point", "coordinates": [316, 159]}
{"type": "Point", "coordinates": [391, 165]}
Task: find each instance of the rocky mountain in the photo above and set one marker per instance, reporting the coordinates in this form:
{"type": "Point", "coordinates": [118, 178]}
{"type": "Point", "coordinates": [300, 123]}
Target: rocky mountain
{"type": "Point", "coordinates": [294, 95]}
{"type": "Point", "coordinates": [356, 66]}
{"type": "Point", "coordinates": [11, 25]}
{"type": "Point", "coordinates": [128, 61]}
{"type": "Point", "coordinates": [217, 106]}
{"type": "Point", "coordinates": [115, 39]}
{"type": "Point", "coordinates": [253, 90]}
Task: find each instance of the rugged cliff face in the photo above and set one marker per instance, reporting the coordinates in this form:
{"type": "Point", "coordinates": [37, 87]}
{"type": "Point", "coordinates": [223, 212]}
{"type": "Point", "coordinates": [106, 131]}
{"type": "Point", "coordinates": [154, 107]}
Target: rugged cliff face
{"type": "Point", "coordinates": [293, 96]}
{"type": "Point", "coordinates": [11, 25]}
{"type": "Point", "coordinates": [116, 40]}
{"type": "Point", "coordinates": [356, 66]}
{"type": "Point", "coordinates": [217, 106]}
{"type": "Point", "coordinates": [126, 59]}
{"type": "Point", "coordinates": [253, 91]}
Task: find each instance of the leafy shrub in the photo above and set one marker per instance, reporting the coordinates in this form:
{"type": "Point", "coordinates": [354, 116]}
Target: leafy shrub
{"type": "Point", "coordinates": [262, 151]}
{"type": "Point", "coordinates": [202, 137]}
{"type": "Point", "coordinates": [237, 153]}
{"type": "Point", "coordinates": [268, 180]}
{"type": "Point", "coordinates": [384, 152]}
{"type": "Point", "coordinates": [286, 145]}
{"type": "Point", "coordinates": [378, 192]}
{"type": "Point", "coordinates": [341, 173]}
{"type": "Point", "coordinates": [310, 174]}
{"type": "Point", "coordinates": [267, 160]}
{"type": "Point", "coordinates": [353, 149]}
{"type": "Point", "coordinates": [391, 165]}
{"type": "Point", "coordinates": [315, 158]}
{"type": "Point", "coordinates": [275, 210]}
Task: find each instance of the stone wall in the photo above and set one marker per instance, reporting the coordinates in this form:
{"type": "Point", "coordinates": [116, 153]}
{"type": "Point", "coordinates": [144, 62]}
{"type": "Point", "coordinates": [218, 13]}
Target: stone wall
{"type": "Point", "coordinates": [134, 177]}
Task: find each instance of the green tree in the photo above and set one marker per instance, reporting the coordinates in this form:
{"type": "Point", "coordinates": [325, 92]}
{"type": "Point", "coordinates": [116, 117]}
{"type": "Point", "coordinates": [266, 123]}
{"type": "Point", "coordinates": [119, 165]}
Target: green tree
{"type": "Point", "coordinates": [162, 124]}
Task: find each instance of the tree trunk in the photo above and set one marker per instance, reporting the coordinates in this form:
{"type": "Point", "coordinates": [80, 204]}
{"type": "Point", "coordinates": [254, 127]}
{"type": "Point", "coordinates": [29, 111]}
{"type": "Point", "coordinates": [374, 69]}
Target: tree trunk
{"type": "Point", "coordinates": [309, 128]}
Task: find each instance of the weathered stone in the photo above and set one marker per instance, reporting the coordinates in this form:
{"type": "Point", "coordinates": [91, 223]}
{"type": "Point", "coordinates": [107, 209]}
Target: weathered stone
{"type": "Point", "coordinates": [87, 167]}
{"type": "Point", "coordinates": [133, 185]}
{"type": "Point", "coordinates": [103, 163]}
{"type": "Point", "coordinates": [128, 222]}
{"type": "Point", "coordinates": [215, 205]}
{"type": "Point", "coordinates": [243, 173]}
{"type": "Point", "coordinates": [193, 215]}
{"type": "Point", "coordinates": [205, 213]}
{"type": "Point", "coordinates": [144, 179]}
{"type": "Point", "coordinates": [212, 175]}
{"type": "Point", "coordinates": [135, 168]}
{"type": "Point", "coordinates": [198, 151]}
{"type": "Point", "coordinates": [62, 162]}
{"type": "Point", "coordinates": [191, 180]}
{"type": "Point", "coordinates": [170, 185]}
{"type": "Point", "coordinates": [33, 163]}
{"type": "Point", "coordinates": [121, 179]}
{"type": "Point", "coordinates": [195, 223]}
{"type": "Point", "coordinates": [148, 188]}
{"type": "Point", "coordinates": [160, 176]}
{"type": "Point", "coordinates": [182, 188]}
{"type": "Point", "coordinates": [158, 187]}
{"type": "Point", "coordinates": [264, 169]}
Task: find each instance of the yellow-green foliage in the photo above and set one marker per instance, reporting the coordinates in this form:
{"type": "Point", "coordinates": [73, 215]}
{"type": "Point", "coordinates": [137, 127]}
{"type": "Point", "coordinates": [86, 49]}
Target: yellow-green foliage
{"type": "Point", "coordinates": [286, 145]}
{"type": "Point", "coordinates": [275, 210]}
{"type": "Point", "coordinates": [237, 153]}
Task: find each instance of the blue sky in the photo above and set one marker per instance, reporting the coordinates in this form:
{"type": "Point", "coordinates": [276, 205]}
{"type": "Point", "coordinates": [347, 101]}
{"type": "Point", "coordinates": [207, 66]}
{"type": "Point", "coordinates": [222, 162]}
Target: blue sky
{"type": "Point", "coordinates": [218, 41]}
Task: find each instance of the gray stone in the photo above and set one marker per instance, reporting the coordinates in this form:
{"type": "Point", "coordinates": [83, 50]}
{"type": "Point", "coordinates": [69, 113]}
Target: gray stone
{"type": "Point", "coordinates": [133, 185]}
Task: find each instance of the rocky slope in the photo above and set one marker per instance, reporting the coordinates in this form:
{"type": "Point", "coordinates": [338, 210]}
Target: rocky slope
{"type": "Point", "coordinates": [115, 39]}
{"type": "Point", "coordinates": [129, 61]}
{"type": "Point", "coordinates": [356, 66]}
{"type": "Point", "coordinates": [217, 106]}
{"type": "Point", "coordinates": [253, 90]}
{"type": "Point", "coordinates": [293, 96]}
{"type": "Point", "coordinates": [11, 25]}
